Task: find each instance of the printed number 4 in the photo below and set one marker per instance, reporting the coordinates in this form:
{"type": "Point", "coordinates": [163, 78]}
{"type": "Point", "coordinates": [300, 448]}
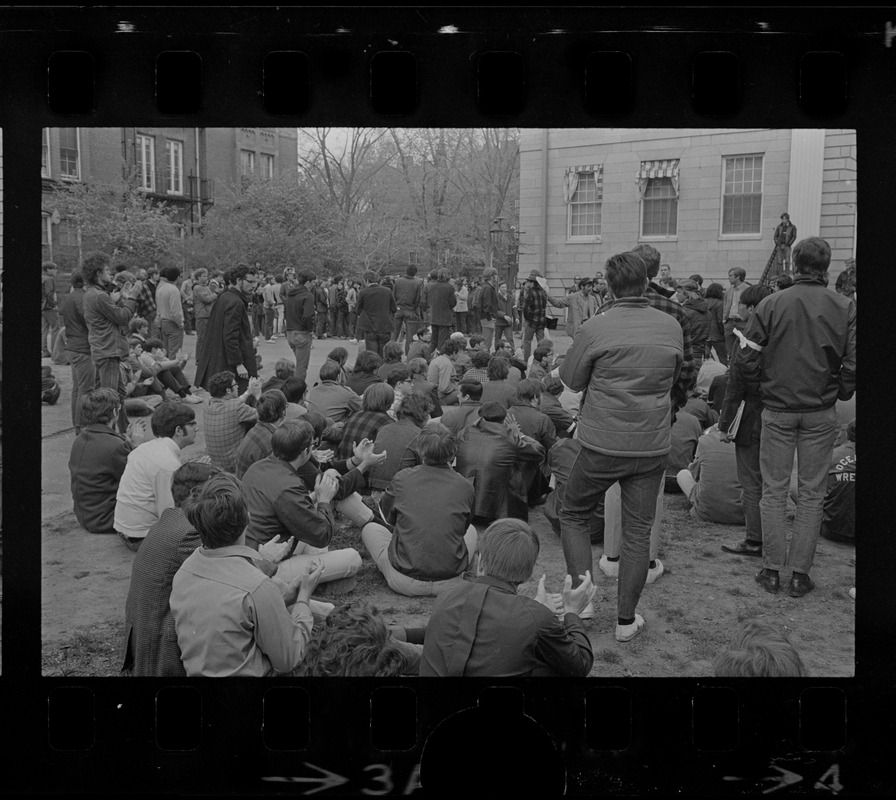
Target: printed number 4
{"type": "Point", "coordinates": [830, 781]}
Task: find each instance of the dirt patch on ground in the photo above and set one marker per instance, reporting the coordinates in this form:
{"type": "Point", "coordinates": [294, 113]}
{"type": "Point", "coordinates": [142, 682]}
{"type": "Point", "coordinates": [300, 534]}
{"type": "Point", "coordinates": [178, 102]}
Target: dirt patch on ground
{"type": "Point", "coordinates": [691, 611]}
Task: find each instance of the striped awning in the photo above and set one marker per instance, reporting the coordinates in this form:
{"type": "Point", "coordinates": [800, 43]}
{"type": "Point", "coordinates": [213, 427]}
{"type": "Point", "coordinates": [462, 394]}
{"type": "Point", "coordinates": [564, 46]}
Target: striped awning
{"type": "Point", "coordinates": [667, 168]}
{"type": "Point", "coordinates": [659, 169]}
{"type": "Point", "coordinates": [571, 179]}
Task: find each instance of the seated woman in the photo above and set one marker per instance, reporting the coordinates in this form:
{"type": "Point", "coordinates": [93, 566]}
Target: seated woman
{"type": "Point", "coordinates": [339, 355]}
{"type": "Point", "coordinates": [354, 642]}
{"type": "Point", "coordinates": [98, 458]}
{"type": "Point", "coordinates": [366, 423]}
{"type": "Point", "coordinates": [399, 439]}
{"type": "Point", "coordinates": [430, 508]}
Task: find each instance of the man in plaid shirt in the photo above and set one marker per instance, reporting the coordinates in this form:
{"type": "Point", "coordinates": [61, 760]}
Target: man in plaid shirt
{"type": "Point", "coordinates": [146, 300]}
{"type": "Point", "coordinates": [534, 312]}
{"type": "Point", "coordinates": [226, 417]}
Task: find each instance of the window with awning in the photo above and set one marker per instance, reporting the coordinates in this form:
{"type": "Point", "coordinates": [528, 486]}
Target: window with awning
{"type": "Point", "coordinates": [583, 191]}
{"type": "Point", "coordinates": [658, 187]}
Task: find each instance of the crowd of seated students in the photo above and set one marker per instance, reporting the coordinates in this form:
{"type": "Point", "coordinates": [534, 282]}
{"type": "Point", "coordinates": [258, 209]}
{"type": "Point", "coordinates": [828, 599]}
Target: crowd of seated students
{"type": "Point", "coordinates": [442, 447]}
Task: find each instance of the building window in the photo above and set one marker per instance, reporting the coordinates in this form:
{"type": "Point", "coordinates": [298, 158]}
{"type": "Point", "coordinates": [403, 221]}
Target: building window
{"type": "Point", "coordinates": [174, 159]}
{"type": "Point", "coordinates": [146, 163]}
{"type": "Point", "coordinates": [659, 209]}
{"type": "Point", "coordinates": [267, 166]}
{"type": "Point", "coordinates": [69, 154]}
{"type": "Point", "coordinates": [45, 230]}
{"type": "Point", "coordinates": [247, 163]}
{"type": "Point", "coordinates": [45, 155]}
{"type": "Point", "coordinates": [66, 234]}
{"type": "Point", "coordinates": [742, 195]}
{"type": "Point", "coordinates": [584, 189]}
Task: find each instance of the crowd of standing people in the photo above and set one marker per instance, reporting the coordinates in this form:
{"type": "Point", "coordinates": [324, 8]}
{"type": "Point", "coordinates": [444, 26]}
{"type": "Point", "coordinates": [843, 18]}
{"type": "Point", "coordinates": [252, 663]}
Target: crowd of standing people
{"type": "Point", "coordinates": [436, 443]}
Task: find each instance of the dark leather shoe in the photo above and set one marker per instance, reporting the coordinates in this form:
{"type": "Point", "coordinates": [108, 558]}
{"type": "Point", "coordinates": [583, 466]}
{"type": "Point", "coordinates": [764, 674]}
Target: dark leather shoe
{"type": "Point", "coordinates": [744, 548]}
{"type": "Point", "coordinates": [768, 579]}
{"type": "Point", "coordinates": [800, 585]}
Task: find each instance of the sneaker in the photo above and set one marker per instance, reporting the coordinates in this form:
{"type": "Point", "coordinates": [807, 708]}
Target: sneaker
{"type": "Point", "coordinates": [588, 611]}
{"type": "Point", "coordinates": [192, 399]}
{"type": "Point", "coordinates": [625, 633]}
{"type": "Point", "coordinates": [353, 341]}
{"type": "Point", "coordinates": [609, 568]}
{"type": "Point", "coordinates": [271, 340]}
{"type": "Point", "coordinates": [852, 593]}
{"type": "Point", "coordinates": [131, 542]}
{"type": "Point", "coordinates": [653, 574]}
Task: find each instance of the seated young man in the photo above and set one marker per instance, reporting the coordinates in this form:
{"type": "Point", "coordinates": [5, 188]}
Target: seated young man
{"type": "Point", "coordinates": [759, 650]}
{"type": "Point", "coordinates": [168, 370]}
{"type": "Point", "coordinates": [456, 418]}
{"type": "Point", "coordinates": [478, 367]}
{"type": "Point", "coordinates": [420, 347]}
{"type": "Point", "coordinates": [710, 482]}
{"type": "Point", "coordinates": [150, 639]}
{"type": "Point", "coordinates": [97, 461]}
{"type": "Point", "coordinates": [366, 423]}
{"type": "Point", "coordinates": [838, 521]}
{"type": "Point", "coordinates": [232, 620]}
{"type": "Point", "coordinates": [228, 415]}
{"type": "Point", "coordinates": [398, 441]}
{"type": "Point", "coordinates": [686, 431]}
{"type": "Point", "coordinates": [256, 444]}
{"type": "Point", "coordinates": [485, 628]}
{"type": "Point", "coordinates": [144, 491]}
{"type": "Point", "coordinates": [442, 372]}
{"type": "Point", "coordinates": [330, 397]}
{"type": "Point", "coordinates": [430, 508]}
{"type": "Point", "coordinates": [280, 504]}
{"type": "Point", "coordinates": [550, 404]}
{"type": "Point", "coordinates": [542, 363]}
{"type": "Point", "coordinates": [560, 460]}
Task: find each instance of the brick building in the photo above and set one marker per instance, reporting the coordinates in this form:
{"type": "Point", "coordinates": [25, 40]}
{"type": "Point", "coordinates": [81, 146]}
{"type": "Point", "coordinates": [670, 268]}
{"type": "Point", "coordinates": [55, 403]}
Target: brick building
{"type": "Point", "coordinates": [183, 167]}
{"type": "Point", "coordinates": [707, 199]}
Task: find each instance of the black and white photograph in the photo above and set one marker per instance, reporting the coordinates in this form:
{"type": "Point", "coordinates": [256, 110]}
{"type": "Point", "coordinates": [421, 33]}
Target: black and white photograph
{"type": "Point", "coordinates": [448, 402]}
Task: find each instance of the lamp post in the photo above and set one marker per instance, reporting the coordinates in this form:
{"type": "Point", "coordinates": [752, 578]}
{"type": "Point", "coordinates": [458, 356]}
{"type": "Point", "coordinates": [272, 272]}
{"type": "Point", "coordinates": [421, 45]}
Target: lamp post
{"type": "Point", "coordinates": [503, 253]}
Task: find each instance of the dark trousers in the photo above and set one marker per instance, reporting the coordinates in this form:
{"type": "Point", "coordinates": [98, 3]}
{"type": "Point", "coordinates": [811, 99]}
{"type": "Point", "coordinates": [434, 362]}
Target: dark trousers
{"type": "Point", "coordinates": [460, 322]}
{"type": "Point", "coordinates": [334, 322]}
{"type": "Point", "coordinates": [375, 341]}
{"type": "Point", "coordinates": [439, 335]}
{"type": "Point", "coordinates": [507, 332]}
{"type": "Point", "coordinates": [270, 314]}
{"type": "Point", "coordinates": [320, 324]}
{"type": "Point", "coordinates": [591, 475]}
{"type": "Point", "coordinates": [83, 381]}
{"type": "Point", "coordinates": [108, 374]}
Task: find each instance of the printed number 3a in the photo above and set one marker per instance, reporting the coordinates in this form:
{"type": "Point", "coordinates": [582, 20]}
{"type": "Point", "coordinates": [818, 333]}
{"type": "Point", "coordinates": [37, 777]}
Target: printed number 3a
{"type": "Point", "coordinates": [830, 781]}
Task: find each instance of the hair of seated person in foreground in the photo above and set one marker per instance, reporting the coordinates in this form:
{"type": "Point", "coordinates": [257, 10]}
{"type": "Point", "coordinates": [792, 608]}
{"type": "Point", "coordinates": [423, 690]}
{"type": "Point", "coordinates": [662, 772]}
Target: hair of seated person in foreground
{"type": "Point", "coordinates": [353, 641]}
{"type": "Point", "coordinates": [758, 650]}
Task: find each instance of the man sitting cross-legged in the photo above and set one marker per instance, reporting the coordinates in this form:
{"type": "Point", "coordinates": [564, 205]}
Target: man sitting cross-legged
{"type": "Point", "coordinates": [230, 618]}
{"type": "Point", "coordinates": [280, 504]}
{"type": "Point", "coordinates": [144, 491]}
{"type": "Point", "coordinates": [431, 509]}
{"type": "Point", "coordinates": [485, 628]}
{"type": "Point", "coordinates": [227, 416]}
{"type": "Point", "coordinates": [399, 441]}
{"type": "Point", "coordinates": [710, 482]}
{"type": "Point", "coordinates": [256, 444]}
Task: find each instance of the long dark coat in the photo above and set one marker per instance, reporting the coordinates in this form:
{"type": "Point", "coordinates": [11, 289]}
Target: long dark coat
{"type": "Point", "coordinates": [442, 300]}
{"type": "Point", "coordinates": [228, 338]}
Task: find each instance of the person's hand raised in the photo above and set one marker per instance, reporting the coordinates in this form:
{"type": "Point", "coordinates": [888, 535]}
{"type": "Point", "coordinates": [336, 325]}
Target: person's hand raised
{"type": "Point", "coordinates": [575, 600]}
{"type": "Point", "coordinates": [550, 601]}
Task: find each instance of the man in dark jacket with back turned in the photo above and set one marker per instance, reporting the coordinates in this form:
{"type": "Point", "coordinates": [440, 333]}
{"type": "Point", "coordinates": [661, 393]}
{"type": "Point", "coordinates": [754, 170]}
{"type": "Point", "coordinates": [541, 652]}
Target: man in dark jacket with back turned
{"type": "Point", "coordinates": [807, 337]}
{"type": "Point", "coordinates": [407, 292]}
{"type": "Point", "coordinates": [442, 300]}
{"type": "Point", "coordinates": [376, 313]}
{"type": "Point", "coordinates": [229, 346]}
{"type": "Point", "coordinates": [300, 321]}
{"type": "Point", "coordinates": [628, 357]}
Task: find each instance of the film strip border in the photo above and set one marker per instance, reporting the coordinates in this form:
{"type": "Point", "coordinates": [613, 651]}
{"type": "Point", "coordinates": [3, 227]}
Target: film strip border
{"type": "Point", "coordinates": [570, 67]}
{"type": "Point", "coordinates": [350, 736]}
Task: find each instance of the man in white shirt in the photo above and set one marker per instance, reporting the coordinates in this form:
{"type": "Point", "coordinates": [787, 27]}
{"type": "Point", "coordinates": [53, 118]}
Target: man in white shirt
{"type": "Point", "coordinates": [145, 488]}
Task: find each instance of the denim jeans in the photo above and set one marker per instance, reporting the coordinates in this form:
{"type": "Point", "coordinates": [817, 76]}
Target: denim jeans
{"type": "Point", "coordinates": [749, 475]}
{"type": "Point", "coordinates": [49, 324]}
{"type": "Point", "coordinates": [640, 480]}
{"type": "Point", "coordinates": [270, 314]}
{"type": "Point", "coordinates": [612, 510]}
{"type": "Point", "coordinates": [488, 331]}
{"type": "Point", "coordinates": [300, 342]}
{"type": "Point", "coordinates": [505, 331]}
{"type": "Point", "coordinates": [83, 381]}
{"type": "Point", "coordinates": [811, 435]}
